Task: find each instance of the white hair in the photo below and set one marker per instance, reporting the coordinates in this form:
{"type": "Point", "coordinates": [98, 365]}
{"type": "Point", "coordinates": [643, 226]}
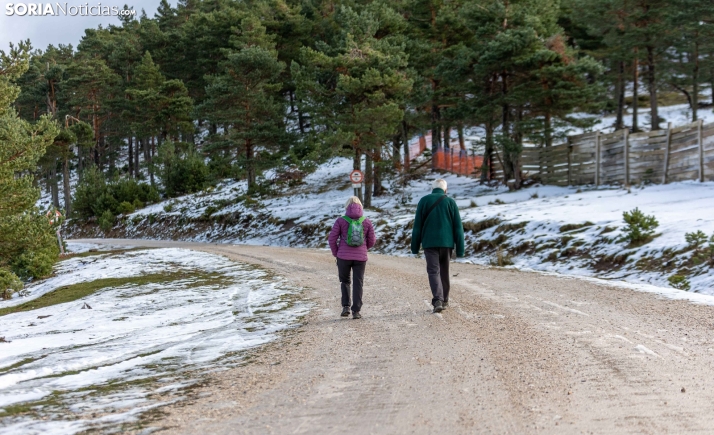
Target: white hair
{"type": "Point", "coordinates": [352, 200]}
{"type": "Point", "coordinates": [439, 184]}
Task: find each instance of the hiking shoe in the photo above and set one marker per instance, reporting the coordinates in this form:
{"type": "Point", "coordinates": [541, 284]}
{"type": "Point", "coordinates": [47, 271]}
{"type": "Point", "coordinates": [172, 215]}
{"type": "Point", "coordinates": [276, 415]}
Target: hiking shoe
{"type": "Point", "coordinates": [345, 311]}
{"type": "Point", "coordinates": [356, 315]}
{"type": "Point", "coordinates": [438, 306]}
{"type": "Point", "coordinates": [445, 305]}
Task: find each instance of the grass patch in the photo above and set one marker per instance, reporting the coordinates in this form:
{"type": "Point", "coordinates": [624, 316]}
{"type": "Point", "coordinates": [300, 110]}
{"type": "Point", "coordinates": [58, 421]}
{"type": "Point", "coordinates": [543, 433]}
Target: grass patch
{"type": "Point", "coordinates": [572, 227]}
{"type": "Point", "coordinates": [18, 364]}
{"type": "Point", "coordinates": [74, 292]}
{"type": "Point", "coordinates": [94, 252]}
{"type": "Point", "coordinates": [25, 408]}
{"type": "Point", "coordinates": [507, 228]}
{"type": "Point", "coordinates": [477, 227]}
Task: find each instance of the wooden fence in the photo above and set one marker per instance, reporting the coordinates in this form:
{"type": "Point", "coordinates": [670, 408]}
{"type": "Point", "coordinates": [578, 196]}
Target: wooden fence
{"type": "Point", "coordinates": [661, 156]}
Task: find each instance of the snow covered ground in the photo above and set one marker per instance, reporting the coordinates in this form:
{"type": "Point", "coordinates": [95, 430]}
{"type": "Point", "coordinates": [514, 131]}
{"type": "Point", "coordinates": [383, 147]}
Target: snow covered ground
{"type": "Point", "coordinates": [82, 368]}
{"type": "Point", "coordinates": [527, 226]}
{"type": "Point", "coordinates": [679, 208]}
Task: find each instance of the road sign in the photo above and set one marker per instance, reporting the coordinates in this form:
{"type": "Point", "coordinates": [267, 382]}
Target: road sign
{"type": "Point", "coordinates": [356, 176]}
{"type": "Point", "coordinates": [356, 185]}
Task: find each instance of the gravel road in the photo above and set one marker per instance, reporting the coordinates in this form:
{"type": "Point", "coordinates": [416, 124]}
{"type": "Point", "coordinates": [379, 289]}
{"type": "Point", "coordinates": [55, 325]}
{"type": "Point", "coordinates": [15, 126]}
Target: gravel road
{"type": "Point", "coordinates": [515, 353]}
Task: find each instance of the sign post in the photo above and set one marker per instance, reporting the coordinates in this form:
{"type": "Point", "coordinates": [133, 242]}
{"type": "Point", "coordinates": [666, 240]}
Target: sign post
{"type": "Point", "coordinates": [356, 177]}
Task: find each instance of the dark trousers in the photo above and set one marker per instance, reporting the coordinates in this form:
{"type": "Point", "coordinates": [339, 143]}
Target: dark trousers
{"type": "Point", "coordinates": [344, 267]}
{"type": "Point", "coordinates": [437, 267]}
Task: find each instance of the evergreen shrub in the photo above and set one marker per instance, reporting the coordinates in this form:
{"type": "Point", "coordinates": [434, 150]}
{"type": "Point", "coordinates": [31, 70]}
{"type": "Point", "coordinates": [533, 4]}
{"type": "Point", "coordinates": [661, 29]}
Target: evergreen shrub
{"type": "Point", "coordinates": [640, 227]}
{"type": "Point", "coordinates": [106, 221]}
{"type": "Point", "coordinates": [695, 239]}
{"type": "Point", "coordinates": [679, 282]}
{"type": "Point", "coordinates": [182, 169]}
{"type": "Point", "coordinates": [95, 195]}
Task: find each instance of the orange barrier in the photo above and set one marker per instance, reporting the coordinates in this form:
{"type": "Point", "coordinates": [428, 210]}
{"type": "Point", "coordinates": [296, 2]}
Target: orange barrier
{"type": "Point", "coordinates": [456, 161]}
{"type": "Point", "coordinates": [418, 146]}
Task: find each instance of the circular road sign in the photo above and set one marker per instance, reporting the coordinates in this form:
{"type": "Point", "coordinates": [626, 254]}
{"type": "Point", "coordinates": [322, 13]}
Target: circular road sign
{"type": "Point", "coordinates": [356, 176]}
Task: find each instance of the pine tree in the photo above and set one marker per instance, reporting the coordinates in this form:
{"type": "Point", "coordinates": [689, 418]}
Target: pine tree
{"type": "Point", "coordinates": [244, 99]}
{"type": "Point", "coordinates": [27, 246]}
{"type": "Point", "coordinates": [691, 35]}
{"type": "Point", "coordinates": [355, 89]}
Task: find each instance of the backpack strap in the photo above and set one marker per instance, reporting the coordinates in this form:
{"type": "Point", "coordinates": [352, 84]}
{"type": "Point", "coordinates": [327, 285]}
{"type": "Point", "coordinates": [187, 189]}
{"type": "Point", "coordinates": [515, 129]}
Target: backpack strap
{"type": "Point", "coordinates": [360, 220]}
{"type": "Point", "coordinates": [349, 227]}
{"type": "Point", "coordinates": [426, 215]}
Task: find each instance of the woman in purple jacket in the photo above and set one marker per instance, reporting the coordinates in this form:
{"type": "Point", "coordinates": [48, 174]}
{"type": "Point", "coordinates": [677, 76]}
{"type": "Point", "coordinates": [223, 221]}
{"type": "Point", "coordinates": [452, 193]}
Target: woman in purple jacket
{"type": "Point", "coordinates": [351, 258]}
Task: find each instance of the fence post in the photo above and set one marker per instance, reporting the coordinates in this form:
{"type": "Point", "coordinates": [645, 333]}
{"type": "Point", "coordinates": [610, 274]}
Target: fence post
{"type": "Point", "coordinates": [701, 151]}
{"type": "Point", "coordinates": [452, 160]}
{"type": "Point", "coordinates": [597, 159]}
{"type": "Point", "coordinates": [570, 162]}
{"type": "Point", "coordinates": [668, 145]}
{"type": "Point", "coordinates": [627, 158]}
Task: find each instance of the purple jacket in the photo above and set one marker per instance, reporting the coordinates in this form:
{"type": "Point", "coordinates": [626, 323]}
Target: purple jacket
{"type": "Point", "coordinates": [338, 236]}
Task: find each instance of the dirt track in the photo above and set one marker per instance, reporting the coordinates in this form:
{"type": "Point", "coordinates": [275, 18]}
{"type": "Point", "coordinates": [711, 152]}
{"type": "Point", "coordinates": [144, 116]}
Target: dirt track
{"type": "Point", "coordinates": [516, 353]}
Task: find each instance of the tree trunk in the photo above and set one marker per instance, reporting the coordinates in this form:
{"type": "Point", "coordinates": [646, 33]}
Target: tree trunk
{"type": "Point", "coordinates": [80, 164]}
{"type": "Point", "coordinates": [620, 121]}
{"type": "Point", "coordinates": [397, 152]}
{"type": "Point", "coordinates": [695, 79]}
{"type": "Point", "coordinates": [110, 155]}
{"type": "Point", "coordinates": [462, 143]}
{"type": "Point", "coordinates": [54, 184]}
{"type": "Point", "coordinates": [711, 78]}
{"type": "Point", "coordinates": [249, 163]}
{"type": "Point", "coordinates": [635, 94]}
{"type": "Point", "coordinates": [405, 143]}
{"type": "Point", "coordinates": [151, 161]}
{"type": "Point", "coordinates": [131, 156]}
{"type": "Point", "coordinates": [487, 154]}
{"type": "Point", "coordinates": [136, 157]}
{"type": "Point", "coordinates": [447, 136]}
{"type": "Point", "coordinates": [516, 160]}
{"type": "Point", "coordinates": [145, 150]}
{"type": "Point", "coordinates": [378, 188]}
{"type": "Point", "coordinates": [301, 121]}
{"type": "Point", "coordinates": [652, 84]}
{"type": "Point", "coordinates": [505, 109]}
{"type": "Point", "coordinates": [548, 131]}
{"type": "Point", "coordinates": [435, 129]}
{"type": "Point", "coordinates": [368, 180]}
{"type": "Point", "coordinates": [66, 188]}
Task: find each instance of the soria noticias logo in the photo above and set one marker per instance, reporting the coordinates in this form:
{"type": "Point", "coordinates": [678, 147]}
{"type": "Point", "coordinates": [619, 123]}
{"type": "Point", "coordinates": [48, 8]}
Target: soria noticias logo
{"type": "Point", "coordinates": [65, 9]}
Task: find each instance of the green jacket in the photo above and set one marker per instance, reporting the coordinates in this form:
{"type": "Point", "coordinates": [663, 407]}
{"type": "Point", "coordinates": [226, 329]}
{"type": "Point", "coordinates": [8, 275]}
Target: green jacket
{"type": "Point", "coordinates": [442, 228]}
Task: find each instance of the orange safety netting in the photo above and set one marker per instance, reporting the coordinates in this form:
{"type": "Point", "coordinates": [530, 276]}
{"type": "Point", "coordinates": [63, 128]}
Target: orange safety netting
{"type": "Point", "coordinates": [418, 146]}
{"type": "Point", "coordinates": [456, 161]}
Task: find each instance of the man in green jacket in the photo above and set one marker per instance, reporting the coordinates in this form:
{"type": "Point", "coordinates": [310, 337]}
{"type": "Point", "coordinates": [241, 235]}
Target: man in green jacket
{"type": "Point", "coordinates": [437, 227]}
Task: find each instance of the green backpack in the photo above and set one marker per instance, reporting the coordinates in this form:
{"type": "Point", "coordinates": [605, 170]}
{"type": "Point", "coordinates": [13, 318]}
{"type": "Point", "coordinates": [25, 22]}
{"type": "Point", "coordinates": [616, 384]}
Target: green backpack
{"type": "Point", "coordinates": [355, 232]}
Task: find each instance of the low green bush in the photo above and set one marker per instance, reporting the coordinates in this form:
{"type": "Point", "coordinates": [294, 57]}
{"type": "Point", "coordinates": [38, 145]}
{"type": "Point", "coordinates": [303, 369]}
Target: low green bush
{"type": "Point", "coordinates": [679, 282]}
{"type": "Point", "coordinates": [106, 221]}
{"type": "Point", "coordinates": [95, 195]}
{"type": "Point", "coordinates": [695, 239]}
{"type": "Point", "coordinates": [640, 227]}
{"type": "Point", "coordinates": [9, 283]}
{"type": "Point", "coordinates": [182, 169]}
{"type": "Point", "coordinates": [125, 208]}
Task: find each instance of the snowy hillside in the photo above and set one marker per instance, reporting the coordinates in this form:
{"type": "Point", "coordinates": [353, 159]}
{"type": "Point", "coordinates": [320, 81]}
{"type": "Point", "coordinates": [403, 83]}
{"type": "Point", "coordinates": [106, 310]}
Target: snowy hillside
{"type": "Point", "coordinates": [566, 230]}
{"type": "Point", "coordinates": [152, 321]}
